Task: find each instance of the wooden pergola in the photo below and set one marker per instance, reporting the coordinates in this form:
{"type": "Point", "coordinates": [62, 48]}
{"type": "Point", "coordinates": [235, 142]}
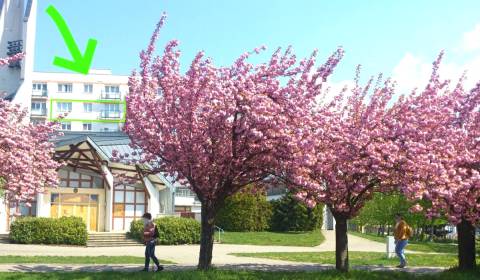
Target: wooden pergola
{"type": "Point", "coordinates": [84, 153]}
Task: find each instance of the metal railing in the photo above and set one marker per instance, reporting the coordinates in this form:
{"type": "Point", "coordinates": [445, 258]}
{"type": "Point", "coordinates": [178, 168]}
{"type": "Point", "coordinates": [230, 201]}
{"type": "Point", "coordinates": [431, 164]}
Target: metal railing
{"type": "Point", "coordinates": [220, 231]}
{"type": "Point", "coordinates": [40, 93]}
{"type": "Point", "coordinates": [106, 114]}
{"type": "Point", "coordinates": [111, 95]}
{"type": "Point", "coordinates": [184, 193]}
{"type": "Point", "coordinates": [42, 112]}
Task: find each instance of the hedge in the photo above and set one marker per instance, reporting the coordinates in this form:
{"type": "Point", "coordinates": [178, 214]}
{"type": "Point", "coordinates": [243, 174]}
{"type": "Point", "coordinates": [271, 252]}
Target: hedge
{"type": "Point", "coordinates": [172, 230]}
{"type": "Point", "coordinates": [38, 230]}
{"type": "Point", "coordinates": [291, 215]}
{"type": "Point", "coordinates": [245, 211]}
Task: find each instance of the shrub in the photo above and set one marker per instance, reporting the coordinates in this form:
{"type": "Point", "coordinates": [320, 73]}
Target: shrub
{"type": "Point", "coordinates": [245, 211]}
{"type": "Point", "coordinates": [291, 215]}
{"type": "Point", "coordinates": [172, 230]}
{"type": "Point", "coordinates": [33, 230]}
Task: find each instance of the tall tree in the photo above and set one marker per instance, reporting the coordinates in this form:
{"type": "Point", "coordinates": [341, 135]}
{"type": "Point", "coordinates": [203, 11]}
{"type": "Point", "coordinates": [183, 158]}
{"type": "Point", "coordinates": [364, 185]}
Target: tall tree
{"type": "Point", "coordinates": [348, 155]}
{"type": "Point", "coordinates": [441, 128]}
{"type": "Point", "coordinates": [26, 155]}
{"type": "Point", "coordinates": [219, 129]}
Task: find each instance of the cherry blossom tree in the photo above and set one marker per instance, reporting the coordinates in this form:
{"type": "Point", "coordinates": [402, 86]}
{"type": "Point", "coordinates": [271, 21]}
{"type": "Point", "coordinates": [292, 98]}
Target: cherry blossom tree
{"type": "Point", "coordinates": [349, 155]}
{"type": "Point", "coordinates": [218, 129]}
{"type": "Point", "coordinates": [441, 128]}
{"type": "Point", "coordinates": [26, 154]}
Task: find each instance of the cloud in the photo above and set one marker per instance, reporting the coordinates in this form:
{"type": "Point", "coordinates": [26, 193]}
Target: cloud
{"type": "Point", "coordinates": [471, 39]}
{"type": "Point", "coordinates": [413, 71]}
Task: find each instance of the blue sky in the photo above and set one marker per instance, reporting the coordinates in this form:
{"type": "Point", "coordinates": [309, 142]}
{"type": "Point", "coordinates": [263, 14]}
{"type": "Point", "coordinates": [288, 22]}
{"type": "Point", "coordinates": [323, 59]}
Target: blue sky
{"type": "Point", "coordinates": [378, 34]}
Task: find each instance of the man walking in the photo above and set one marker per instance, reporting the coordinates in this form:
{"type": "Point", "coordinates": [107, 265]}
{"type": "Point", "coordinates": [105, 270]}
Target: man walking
{"type": "Point", "coordinates": [150, 233]}
{"type": "Point", "coordinates": [402, 233]}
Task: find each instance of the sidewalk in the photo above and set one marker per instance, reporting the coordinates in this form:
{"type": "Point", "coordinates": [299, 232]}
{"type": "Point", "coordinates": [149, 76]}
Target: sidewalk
{"type": "Point", "coordinates": [187, 255]}
{"type": "Point", "coordinates": [245, 266]}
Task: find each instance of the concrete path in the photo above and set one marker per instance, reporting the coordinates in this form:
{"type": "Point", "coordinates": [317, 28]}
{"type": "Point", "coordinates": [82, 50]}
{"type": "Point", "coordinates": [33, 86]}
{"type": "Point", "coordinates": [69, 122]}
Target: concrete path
{"type": "Point", "coordinates": [245, 266]}
{"type": "Point", "coordinates": [187, 255]}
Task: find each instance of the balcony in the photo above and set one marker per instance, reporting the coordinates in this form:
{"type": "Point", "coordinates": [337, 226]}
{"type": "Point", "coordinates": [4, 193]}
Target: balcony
{"type": "Point", "coordinates": [110, 115]}
{"type": "Point", "coordinates": [39, 113]}
{"type": "Point", "coordinates": [39, 94]}
{"type": "Point", "coordinates": [111, 95]}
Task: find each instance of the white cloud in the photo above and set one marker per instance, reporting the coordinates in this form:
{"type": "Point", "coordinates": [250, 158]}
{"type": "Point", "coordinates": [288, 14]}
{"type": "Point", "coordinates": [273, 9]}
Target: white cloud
{"type": "Point", "coordinates": [471, 39]}
{"type": "Point", "coordinates": [413, 71]}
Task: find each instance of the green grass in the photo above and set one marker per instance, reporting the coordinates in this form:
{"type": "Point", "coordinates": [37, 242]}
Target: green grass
{"type": "Point", "coordinates": [359, 258]}
{"type": "Point", "coordinates": [75, 260]}
{"type": "Point", "coordinates": [429, 247]}
{"type": "Point", "coordinates": [307, 239]}
{"type": "Point", "coordinates": [233, 275]}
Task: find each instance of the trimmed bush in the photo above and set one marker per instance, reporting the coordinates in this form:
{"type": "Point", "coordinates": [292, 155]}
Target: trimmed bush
{"type": "Point", "coordinates": [172, 230]}
{"type": "Point", "coordinates": [33, 230]}
{"type": "Point", "coordinates": [245, 211]}
{"type": "Point", "coordinates": [291, 215]}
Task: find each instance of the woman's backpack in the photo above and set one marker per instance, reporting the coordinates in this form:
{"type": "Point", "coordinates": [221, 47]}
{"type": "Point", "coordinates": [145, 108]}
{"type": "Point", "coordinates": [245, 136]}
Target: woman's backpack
{"type": "Point", "coordinates": [156, 234]}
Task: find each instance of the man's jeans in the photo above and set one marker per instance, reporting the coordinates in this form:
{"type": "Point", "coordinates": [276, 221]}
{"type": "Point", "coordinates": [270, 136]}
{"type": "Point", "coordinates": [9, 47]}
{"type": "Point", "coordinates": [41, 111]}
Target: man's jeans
{"type": "Point", "coordinates": [150, 253]}
{"type": "Point", "coordinates": [399, 250]}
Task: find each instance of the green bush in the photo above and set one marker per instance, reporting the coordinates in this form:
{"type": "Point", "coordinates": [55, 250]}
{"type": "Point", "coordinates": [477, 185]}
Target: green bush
{"type": "Point", "coordinates": [172, 230]}
{"type": "Point", "coordinates": [33, 230]}
{"type": "Point", "coordinates": [245, 211]}
{"type": "Point", "coordinates": [291, 215]}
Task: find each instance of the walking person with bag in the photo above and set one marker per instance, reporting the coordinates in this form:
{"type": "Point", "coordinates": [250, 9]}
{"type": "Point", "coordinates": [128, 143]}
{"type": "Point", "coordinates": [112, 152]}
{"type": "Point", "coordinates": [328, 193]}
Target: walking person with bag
{"type": "Point", "coordinates": [402, 233]}
{"type": "Point", "coordinates": [150, 234]}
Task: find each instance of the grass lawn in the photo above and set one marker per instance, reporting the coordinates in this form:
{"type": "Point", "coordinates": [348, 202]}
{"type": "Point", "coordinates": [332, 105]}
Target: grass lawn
{"type": "Point", "coordinates": [233, 275]}
{"type": "Point", "coordinates": [359, 258]}
{"type": "Point", "coordinates": [75, 260]}
{"type": "Point", "coordinates": [308, 239]}
{"type": "Point", "coordinates": [430, 247]}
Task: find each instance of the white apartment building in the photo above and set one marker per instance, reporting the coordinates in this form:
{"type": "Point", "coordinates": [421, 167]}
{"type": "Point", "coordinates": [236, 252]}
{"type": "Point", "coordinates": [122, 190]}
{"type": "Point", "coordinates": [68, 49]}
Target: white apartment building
{"type": "Point", "coordinates": [93, 102]}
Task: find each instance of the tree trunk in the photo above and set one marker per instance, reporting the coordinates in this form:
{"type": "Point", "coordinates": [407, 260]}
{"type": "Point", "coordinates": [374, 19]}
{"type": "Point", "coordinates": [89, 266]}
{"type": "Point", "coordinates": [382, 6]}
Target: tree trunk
{"type": "Point", "coordinates": [207, 235]}
{"type": "Point", "coordinates": [341, 244]}
{"type": "Point", "coordinates": [466, 245]}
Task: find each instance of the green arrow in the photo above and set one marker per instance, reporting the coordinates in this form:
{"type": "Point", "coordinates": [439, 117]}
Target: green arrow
{"type": "Point", "coordinates": [81, 63]}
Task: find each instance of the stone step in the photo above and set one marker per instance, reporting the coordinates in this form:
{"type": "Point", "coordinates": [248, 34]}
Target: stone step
{"type": "Point", "coordinates": [108, 238]}
{"type": "Point", "coordinates": [113, 244]}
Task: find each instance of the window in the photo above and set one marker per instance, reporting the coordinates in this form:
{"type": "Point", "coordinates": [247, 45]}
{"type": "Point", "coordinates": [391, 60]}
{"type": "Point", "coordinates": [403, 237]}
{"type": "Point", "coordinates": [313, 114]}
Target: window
{"type": "Point", "coordinates": [87, 107]}
{"type": "Point", "coordinates": [105, 129]}
{"type": "Point", "coordinates": [88, 88]}
{"type": "Point", "coordinates": [87, 127]}
{"type": "Point", "coordinates": [39, 87]}
{"type": "Point", "coordinates": [64, 87]}
{"type": "Point", "coordinates": [112, 107]}
{"type": "Point", "coordinates": [35, 122]}
{"type": "Point", "coordinates": [38, 106]}
{"type": "Point", "coordinates": [129, 204]}
{"type": "Point", "coordinates": [70, 179]}
{"type": "Point", "coordinates": [112, 89]}
{"type": "Point", "coordinates": [64, 106]}
{"type": "Point", "coordinates": [66, 126]}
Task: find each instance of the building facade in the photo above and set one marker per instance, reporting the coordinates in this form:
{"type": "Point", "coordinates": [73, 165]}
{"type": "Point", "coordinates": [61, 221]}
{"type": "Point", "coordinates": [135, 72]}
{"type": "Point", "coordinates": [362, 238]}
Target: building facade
{"type": "Point", "coordinates": [107, 195]}
{"type": "Point", "coordinates": [93, 102]}
{"type": "Point", "coordinates": [92, 108]}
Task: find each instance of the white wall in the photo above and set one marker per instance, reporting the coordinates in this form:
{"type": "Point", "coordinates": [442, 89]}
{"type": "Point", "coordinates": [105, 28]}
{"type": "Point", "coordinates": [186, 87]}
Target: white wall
{"type": "Point", "coordinates": [98, 79]}
{"type": "Point", "coordinates": [108, 198]}
{"type": "Point", "coordinates": [43, 205]}
{"type": "Point", "coordinates": [3, 216]}
{"type": "Point", "coordinates": [154, 200]}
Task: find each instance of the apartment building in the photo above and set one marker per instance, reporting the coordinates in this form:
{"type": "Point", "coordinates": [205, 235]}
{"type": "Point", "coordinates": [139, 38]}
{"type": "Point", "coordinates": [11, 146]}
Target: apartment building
{"type": "Point", "coordinates": [93, 102]}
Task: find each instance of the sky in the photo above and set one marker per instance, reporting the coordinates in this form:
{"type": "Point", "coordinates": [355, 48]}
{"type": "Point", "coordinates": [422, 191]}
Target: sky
{"type": "Point", "coordinates": [397, 38]}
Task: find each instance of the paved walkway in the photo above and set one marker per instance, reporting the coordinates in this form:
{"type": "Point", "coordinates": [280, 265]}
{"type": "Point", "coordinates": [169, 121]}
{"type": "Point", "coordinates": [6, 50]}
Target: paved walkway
{"type": "Point", "coordinates": [186, 256]}
{"type": "Point", "coordinates": [245, 266]}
